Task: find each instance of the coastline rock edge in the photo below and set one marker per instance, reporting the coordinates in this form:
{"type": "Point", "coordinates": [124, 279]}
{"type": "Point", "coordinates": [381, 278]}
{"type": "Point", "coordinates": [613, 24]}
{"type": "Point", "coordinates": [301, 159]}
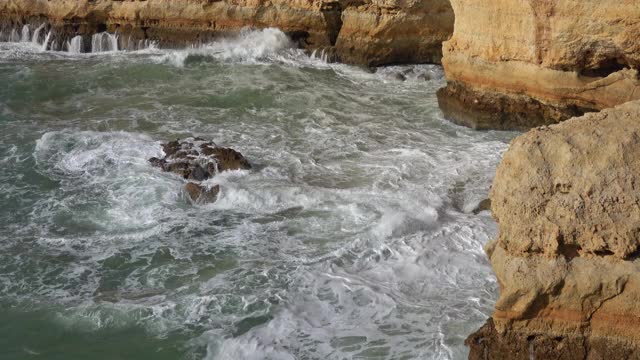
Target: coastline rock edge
{"type": "Point", "coordinates": [362, 32]}
{"type": "Point", "coordinates": [539, 62]}
{"type": "Point", "coordinates": [567, 257]}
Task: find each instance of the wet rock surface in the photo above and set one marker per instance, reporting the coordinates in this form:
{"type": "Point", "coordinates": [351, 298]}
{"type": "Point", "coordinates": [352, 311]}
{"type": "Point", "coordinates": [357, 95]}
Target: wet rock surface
{"type": "Point", "coordinates": [197, 159]}
{"type": "Point", "coordinates": [492, 110]}
{"type": "Point", "coordinates": [484, 205]}
{"type": "Point", "coordinates": [201, 194]}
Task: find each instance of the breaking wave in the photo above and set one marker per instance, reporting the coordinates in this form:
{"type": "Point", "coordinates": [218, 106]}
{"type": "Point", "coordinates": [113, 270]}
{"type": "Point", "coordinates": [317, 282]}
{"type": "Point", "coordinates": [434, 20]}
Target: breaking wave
{"type": "Point", "coordinates": [352, 237]}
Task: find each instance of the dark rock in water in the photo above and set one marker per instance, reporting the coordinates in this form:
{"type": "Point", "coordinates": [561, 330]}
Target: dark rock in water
{"type": "Point", "coordinates": [198, 173]}
{"type": "Point", "coordinates": [197, 159]}
{"type": "Point", "coordinates": [170, 148]}
{"type": "Point", "coordinates": [484, 205]}
{"type": "Point", "coordinates": [399, 76]}
{"type": "Point", "coordinates": [227, 159]}
{"type": "Point", "coordinates": [180, 168]}
{"type": "Point", "coordinates": [200, 194]}
{"type": "Point", "coordinates": [425, 77]}
{"type": "Point", "coordinates": [157, 162]}
{"type": "Point", "coordinates": [185, 154]}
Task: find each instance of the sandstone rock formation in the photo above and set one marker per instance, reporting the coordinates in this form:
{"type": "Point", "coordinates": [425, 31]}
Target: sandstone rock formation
{"type": "Point", "coordinates": [369, 32]}
{"type": "Point", "coordinates": [567, 257]}
{"type": "Point", "coordinates": [179, 23]}
{"type": "Point", "coordinates": [521, 64]}
{"type": "Point", "coordinates": [379, 32]}
{"type": "Point", "coordinates": [197, 160]}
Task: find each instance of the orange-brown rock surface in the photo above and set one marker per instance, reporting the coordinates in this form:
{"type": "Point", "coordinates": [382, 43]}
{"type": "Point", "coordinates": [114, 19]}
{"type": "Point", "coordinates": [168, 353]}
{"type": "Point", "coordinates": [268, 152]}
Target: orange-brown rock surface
{"type": "Point", "coordinates": [567, 257]}
{"type": "Point", "coordinates": [377, 32]}
{"type": "Point", "coordinates": [369, 32]}
{"type": "Point", "coordinates": [178, 23]}
{"type": "Point", "coordinates": [523, 63]}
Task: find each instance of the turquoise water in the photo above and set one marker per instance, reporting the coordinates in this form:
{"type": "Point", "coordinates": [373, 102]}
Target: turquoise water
{"type": "Point", "coordinates": [353, 237]}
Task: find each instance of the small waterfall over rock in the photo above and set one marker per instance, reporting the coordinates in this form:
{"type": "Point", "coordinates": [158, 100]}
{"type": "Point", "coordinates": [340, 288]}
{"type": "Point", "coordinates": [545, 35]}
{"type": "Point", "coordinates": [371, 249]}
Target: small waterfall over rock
{"type": "Point", "coordinates": [104, 41]}
{"type": "Point", "coordinates": [14, 37]}
{"type": "Point", "coordinates": [325, 55]}
{"type": "Point", "coordinates": [133, 44]}
{"type": "Point", "coordinates": [48, 37]}
{"type": "Point", "coordinates": [46, 41]}
{"type": "Point", "coordinates": [25, 34]}
{"type": "Point", "coordinates": [75, 45]}
{"type": "Point", "coordinates": [36, 34]}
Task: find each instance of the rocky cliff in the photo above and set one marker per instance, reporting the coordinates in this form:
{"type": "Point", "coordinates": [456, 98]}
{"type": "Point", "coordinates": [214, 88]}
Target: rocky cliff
{"type": "Point", "coordinates": [377, 32]}
{"type": "Point", "coordinates": [567, 257]}
{"type": "Point", "coordinates": [179, 23]}
{"type": "Point", "coordinates": [519, 64]}
{"type": "Point", "coordinates": [369, 32]}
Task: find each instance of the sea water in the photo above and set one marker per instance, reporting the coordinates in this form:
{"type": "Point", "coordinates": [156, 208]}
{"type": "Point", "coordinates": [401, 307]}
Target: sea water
{"type": "Point", "coordinates": [353, 236]}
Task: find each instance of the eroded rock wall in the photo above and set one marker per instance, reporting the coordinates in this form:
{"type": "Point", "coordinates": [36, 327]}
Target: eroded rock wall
{"type": "Point", "coordinates": [567, 257]}
{"type": "Point", "coordinates": [517, 64]}
{"type": "Point", "coordinates": [379, 32]}
{"type": "Point", "coordinates": [178, 23]}
{"type": "Point", "coordinates": [367, 32]}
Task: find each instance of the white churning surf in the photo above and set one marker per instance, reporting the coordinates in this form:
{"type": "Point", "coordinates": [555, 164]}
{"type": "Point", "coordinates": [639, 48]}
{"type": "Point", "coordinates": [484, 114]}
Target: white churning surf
{"type": "Point", "coordinates": [352, 237]}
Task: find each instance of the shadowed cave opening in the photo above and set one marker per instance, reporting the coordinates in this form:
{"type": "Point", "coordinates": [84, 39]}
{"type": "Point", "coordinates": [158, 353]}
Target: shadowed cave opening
{"type": "Point", "coordinates": [606, 67]}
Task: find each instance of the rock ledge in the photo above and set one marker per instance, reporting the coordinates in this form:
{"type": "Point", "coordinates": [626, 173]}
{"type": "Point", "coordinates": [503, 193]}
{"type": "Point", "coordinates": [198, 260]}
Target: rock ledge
{"type": "Point", "coordinates": [567, 256]}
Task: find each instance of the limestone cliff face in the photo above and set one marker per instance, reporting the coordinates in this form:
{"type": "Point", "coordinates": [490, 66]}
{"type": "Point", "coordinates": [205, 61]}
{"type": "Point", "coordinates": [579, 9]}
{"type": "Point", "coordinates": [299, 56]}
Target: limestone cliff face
{"type": "Point", "coordinates": [178, 23]}
{"type": "Point", "coordinates": [377, 32]}
{"type": "Point", "coordinates": [567, 257]}
{"type": "Point", "coordinates": [523, 63]}
{"type": "Point", "coordinates": [369, 32]}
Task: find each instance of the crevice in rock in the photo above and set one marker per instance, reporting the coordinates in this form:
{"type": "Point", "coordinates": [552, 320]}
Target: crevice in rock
{"type": "Point", "coordinates": [332, 13]}
{"type": "Point", "coordinates": [604, 253]}
{"type": "Point", "coordinates": [569, 251]}
{"type": "Point", "coordinates": [633, 256]}
{"type": "Point", "coordinates": [299, 37]}
{"type": "Point", "coordinates": [606, 67]}
{"type": "Point", "coordinates": [543, 10]}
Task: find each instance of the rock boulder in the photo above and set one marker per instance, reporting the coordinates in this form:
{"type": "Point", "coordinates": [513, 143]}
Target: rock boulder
{"type": "Point", "coordinates": [197, 160]}
{"type": "Point", "coordinates": [567, 257]}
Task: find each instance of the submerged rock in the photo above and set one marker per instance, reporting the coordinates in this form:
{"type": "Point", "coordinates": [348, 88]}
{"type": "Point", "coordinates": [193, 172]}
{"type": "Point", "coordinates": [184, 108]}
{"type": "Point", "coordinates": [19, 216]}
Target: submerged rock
{"type": "Point", "coordinates": [399, 76]}
{"type": "Point", "coordinates": [226, 159]}
{"type": "Point", "coordinates": [484, 205]}
{"type": "Point", "coordinates": [567, 256]}
{"type": "Point", "coordinates": [198, 160]}
{"type": "Point", "coordinates": [201, 194]}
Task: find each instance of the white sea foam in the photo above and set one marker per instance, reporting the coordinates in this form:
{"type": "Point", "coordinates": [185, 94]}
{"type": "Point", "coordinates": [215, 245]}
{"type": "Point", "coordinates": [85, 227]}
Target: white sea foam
{"type": "Point", "coordinates": [249, 46]}
{"type": "Point", "coordinates": [26, 33]}
{"type": "Point", "coordinates": [352, 236]}
{"type": "Point", "coordinates": [104, 42]}
{"type": "Point", "coordinates": [263, 46]}
{"type": "Point", "coordinates": [36, 34]}
{"type": "Point", "coordinates": [75, 45]}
